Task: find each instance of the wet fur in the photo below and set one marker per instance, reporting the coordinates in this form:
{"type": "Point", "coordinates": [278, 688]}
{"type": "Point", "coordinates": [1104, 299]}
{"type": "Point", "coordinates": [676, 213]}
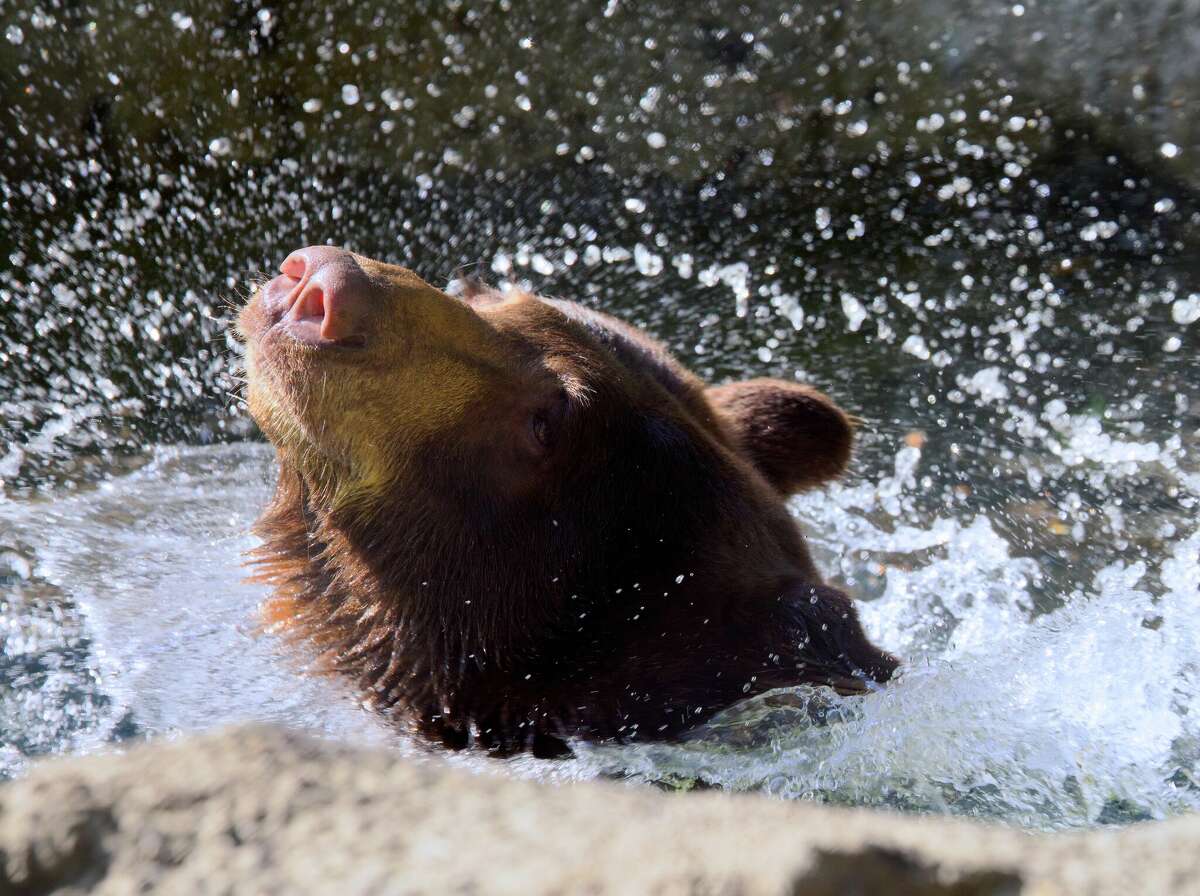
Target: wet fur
{"type": "Point", "coordinates": [517, 617]}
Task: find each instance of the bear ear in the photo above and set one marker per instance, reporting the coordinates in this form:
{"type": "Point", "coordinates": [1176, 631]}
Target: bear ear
{"type": "Point", "coordinates": [794, 435]}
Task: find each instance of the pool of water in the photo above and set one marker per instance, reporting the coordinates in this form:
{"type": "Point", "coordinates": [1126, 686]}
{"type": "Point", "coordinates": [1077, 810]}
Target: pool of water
{"type": "Point", "coordinates": [127, 615]}
{"type": "Point", "coordinates": [1003, 284]}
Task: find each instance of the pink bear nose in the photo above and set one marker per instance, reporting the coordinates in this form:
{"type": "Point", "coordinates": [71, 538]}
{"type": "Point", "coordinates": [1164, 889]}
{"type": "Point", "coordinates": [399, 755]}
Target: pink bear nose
{"type": "Point", "coordinates": [331, 291]}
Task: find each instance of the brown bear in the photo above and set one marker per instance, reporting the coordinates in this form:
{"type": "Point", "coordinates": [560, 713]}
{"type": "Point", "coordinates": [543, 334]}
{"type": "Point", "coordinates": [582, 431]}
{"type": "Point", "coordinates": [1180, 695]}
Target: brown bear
{"type": "Point", "coordinates": [515, 520]}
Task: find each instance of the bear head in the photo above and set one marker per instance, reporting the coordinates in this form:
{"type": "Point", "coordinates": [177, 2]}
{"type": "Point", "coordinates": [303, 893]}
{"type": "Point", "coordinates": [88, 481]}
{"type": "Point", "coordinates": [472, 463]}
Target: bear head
{"type": "Point", "coordinates": [515, 520]}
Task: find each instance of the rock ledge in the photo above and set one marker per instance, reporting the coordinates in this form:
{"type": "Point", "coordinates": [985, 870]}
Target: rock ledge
{"type": "Point", "coordinates": [265, 810]}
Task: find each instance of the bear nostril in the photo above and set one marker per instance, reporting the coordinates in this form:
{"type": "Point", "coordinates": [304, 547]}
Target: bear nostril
{"type": "Point", "coordinates": [310, 305]}
{"type": "Point", "coordinates": [326, 294]}
{"type": "Point", "coordinates": [294, 266]}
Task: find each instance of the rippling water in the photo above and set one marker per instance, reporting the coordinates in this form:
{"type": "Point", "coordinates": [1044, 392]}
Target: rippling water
{"type": "Point", "coordinates": [1082, 715]}
{"type": "Point", "coordinates": [976, 227]}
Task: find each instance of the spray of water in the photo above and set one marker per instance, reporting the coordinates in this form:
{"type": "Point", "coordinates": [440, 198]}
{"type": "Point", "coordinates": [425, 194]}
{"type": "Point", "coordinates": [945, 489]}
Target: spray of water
{"type": "Point", "coordinates": [925, 215]}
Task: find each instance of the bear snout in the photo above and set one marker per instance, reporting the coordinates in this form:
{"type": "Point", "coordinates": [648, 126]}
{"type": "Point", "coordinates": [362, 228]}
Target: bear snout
{"type": "Point", "coordinates": [321, 297]}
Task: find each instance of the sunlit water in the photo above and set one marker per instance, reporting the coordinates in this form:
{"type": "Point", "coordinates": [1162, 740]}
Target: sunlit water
{"type": "Point", "coordinates": [159, 635]}
{"type": "Point", "coordinates": [1085, 714]}
{"type": "Point", "coordinates": [971, 223]}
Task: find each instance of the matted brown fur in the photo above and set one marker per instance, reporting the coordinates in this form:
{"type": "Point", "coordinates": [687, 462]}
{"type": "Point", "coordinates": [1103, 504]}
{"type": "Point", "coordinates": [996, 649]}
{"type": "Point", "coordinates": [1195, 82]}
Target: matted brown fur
{"type": "Point", "coordinates": [624, 572]}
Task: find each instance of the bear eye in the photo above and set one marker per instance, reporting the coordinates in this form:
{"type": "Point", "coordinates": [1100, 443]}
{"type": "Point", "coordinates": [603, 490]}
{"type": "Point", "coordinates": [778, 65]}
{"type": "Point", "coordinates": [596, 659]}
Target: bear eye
{"type": "Point", "coordinates": [545, 421]}
{"type": "Point", "coordinates": [541, 428]}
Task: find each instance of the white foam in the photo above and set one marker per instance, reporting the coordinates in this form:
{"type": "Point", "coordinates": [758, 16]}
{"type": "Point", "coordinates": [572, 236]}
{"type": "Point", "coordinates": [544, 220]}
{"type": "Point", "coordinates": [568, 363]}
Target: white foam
{"type": "Point", "coordinates": [154, 561]}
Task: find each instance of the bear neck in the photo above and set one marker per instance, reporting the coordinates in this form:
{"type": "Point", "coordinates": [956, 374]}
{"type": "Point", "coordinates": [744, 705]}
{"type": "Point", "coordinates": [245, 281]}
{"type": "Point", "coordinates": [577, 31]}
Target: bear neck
{"type": "Point", "coordinates": [397, 602]}
{"type": "Point", "coordinates": [412, 613]}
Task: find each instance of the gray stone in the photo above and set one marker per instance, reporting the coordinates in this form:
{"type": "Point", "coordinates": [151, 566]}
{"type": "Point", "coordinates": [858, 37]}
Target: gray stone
{"type": "Point", "coordinates": [260, 810]}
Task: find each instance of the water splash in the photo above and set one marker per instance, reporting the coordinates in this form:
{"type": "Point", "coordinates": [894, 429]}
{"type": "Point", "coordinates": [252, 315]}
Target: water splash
{"type": "Point", "coordinates": [1083, 715]}
{"type": "Point", "coordinates": [149, 564]}
{"type": "Point", "coordinates": [1010, 305]}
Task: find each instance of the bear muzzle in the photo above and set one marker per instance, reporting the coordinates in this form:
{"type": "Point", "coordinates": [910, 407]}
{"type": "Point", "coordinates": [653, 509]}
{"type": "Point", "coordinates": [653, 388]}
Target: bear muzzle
{"type": "Point", "coordinates": [321, 298]}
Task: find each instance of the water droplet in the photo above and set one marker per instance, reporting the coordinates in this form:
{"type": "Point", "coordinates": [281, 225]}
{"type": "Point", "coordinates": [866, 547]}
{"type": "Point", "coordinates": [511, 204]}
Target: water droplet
{"type": "Point", "coordinates": [1186, 311]}
{"type": "Point", "coordinates": [649, 264]}
{"type": "Point", "coordinates": [854, 311]}
{"type": "Point", "coordinates": [915, 346]}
